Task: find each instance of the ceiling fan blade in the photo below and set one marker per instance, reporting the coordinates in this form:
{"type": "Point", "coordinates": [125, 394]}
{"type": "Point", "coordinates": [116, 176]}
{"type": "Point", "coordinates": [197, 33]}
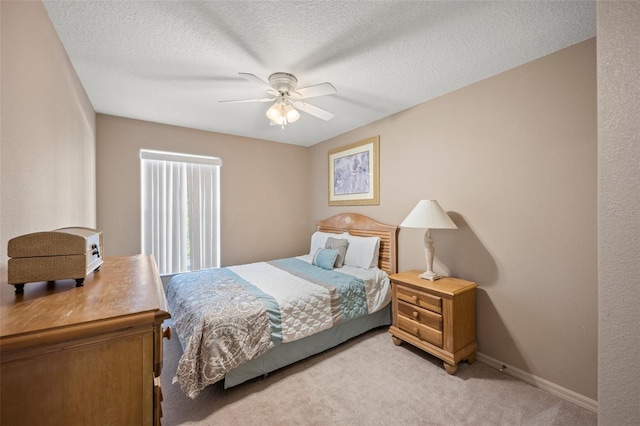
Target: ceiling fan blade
{"type": "Point", "coordinates": [313, 110]}
{"type": "Point", "coordinates": [255, 80]}
{"type": "Point", "coordinates": [250, 100]}
{"type": "Point", "coordinates": [321, 89]}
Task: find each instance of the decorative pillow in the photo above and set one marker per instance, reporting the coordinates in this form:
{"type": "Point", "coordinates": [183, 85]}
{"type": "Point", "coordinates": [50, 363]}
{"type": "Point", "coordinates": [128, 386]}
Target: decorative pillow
{"type": "Point", "coordinates": [319, 239]}
{"type": "Point", "coordinates": [325, 258]}
{"type": "Point", "coordinates": [340, 245]}
{"type": "Point", "coordinates": [362, 252]}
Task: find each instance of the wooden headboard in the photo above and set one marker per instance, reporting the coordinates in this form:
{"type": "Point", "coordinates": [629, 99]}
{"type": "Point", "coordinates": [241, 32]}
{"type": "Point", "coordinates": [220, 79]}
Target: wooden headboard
{"type": "Point", "coordinates": [363, 226]}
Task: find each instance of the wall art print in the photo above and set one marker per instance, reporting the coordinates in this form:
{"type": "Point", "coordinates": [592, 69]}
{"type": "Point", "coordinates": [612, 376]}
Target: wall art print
{"type": "Point", "coordinates": [354, 174]}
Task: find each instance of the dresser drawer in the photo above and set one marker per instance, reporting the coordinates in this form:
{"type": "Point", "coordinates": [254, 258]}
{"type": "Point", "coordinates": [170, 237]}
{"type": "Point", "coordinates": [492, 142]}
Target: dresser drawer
{"type": "Point", "coordinates": [422, 316]}
{"type": "Point", "coordinates": [421, 331]}
{"type": "Point", "coordinates": [423, 300]}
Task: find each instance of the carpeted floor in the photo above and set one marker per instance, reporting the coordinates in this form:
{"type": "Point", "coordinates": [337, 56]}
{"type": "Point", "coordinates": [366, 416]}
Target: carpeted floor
{"type": "Point", "coordinates": [369, 381]}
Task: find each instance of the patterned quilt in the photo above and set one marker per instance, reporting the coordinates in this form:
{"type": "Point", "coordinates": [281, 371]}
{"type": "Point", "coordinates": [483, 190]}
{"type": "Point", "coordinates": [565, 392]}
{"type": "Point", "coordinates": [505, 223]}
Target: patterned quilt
{"type": "Point", "coordinates": [228, 316]}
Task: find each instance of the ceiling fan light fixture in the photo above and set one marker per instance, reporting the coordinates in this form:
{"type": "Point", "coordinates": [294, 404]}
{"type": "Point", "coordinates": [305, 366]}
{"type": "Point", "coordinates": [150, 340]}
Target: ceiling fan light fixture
{"type": "Point", "coordinates": [275, 113]}
{"type": "Point", "coordinates": [291, 113]}
{"type": "Point", "coordinates": [282, 113]}
{"type": "Point", "coordinates": [288, 100]}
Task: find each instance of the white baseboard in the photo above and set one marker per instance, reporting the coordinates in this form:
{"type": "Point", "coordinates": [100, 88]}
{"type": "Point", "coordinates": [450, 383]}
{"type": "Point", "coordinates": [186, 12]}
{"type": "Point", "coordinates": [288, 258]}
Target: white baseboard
{"type": "Point", "coordinates": [538, 382]}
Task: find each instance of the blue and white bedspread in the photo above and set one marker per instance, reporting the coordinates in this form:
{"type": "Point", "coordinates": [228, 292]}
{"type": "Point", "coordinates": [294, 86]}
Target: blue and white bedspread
{"type": "Point", "coordinates": [228, 316]}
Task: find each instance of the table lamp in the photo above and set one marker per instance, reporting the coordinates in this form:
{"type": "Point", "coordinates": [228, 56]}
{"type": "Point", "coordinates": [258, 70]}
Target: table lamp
{"type": "Point", "coordinates": [428, 214]}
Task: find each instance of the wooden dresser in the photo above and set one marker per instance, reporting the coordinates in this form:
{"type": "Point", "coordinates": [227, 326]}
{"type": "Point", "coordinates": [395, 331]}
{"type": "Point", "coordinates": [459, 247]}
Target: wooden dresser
{"type": "Point", "coordinates": [88, 355]}
{"type": "Point", "coordinates": [438, 317]}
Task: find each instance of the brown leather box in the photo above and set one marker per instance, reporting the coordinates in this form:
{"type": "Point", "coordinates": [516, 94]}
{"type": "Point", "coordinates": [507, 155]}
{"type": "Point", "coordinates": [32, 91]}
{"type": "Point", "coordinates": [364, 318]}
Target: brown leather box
{"type": "Point", "coordinates": [55, 255]}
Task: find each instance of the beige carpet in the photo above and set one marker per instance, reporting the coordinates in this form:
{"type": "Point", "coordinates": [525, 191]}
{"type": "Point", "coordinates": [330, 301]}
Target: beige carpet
{"type": "Point", "coordinates": [369, 381]}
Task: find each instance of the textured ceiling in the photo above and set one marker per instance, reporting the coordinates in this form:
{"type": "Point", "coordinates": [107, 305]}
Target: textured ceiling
{"type": "Point", "coordinates": [174, 61]}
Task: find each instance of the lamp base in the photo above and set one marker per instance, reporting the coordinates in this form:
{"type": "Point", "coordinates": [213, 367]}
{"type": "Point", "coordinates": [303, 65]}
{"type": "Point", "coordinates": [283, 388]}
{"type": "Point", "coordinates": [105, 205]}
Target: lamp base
{"type": "Point", "coordinates": [428, 275]}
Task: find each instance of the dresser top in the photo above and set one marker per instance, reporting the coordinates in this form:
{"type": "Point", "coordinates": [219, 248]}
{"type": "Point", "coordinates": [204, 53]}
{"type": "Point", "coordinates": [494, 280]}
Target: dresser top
{"type": "Point", "coordinates": [123, 288]}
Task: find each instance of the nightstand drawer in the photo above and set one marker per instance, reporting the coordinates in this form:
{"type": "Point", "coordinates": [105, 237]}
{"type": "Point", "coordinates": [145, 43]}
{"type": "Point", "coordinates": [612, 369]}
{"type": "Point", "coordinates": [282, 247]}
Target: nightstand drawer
{"type": "Point", "coordinates": [427, 301]}
{"type": "Point", "coordinates": [423, 332]}
{"type": "Point", "coordinates": [423, 316]}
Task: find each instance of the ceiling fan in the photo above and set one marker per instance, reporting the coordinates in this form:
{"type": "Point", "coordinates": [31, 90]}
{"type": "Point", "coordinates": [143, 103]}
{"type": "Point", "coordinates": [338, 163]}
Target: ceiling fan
{"type": "Point", "coordinates": [288, 99]}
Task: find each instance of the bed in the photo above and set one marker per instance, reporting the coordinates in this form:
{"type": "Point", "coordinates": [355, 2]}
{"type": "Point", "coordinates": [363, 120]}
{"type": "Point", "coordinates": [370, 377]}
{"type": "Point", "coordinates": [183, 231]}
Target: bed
{"type": "Point", "coordinates": [262, 316]}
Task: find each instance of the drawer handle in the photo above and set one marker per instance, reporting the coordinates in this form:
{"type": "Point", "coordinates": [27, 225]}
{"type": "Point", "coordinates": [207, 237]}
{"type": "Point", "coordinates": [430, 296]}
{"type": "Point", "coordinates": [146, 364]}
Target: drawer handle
{"type": "Point", "coordinates": [416, 331]}
{"type": "Point", "coordinates": [415, 298]}
{"type": "Point", "coordinates": [415, 314]}
{"type": "Point", "coordinates": [166, 333]}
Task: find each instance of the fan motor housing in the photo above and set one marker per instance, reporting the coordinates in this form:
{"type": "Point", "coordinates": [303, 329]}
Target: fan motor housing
{"type": "Point", "coordinates": [283, 82]}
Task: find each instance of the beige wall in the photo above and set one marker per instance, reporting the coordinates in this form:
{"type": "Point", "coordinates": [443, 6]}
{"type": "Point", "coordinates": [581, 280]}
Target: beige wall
{"type": "Point", "coordinates": [47, 141]}
{"type": "Point", "coordinates": [513, 160]}
{"type": "Point", "coordinates": [264, 188]}
{"type": "Point", "coordinates": [619, 212]}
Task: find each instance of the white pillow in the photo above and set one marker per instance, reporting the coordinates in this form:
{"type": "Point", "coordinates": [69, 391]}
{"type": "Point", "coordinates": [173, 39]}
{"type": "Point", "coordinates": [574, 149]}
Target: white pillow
{"type": "Point", "coordinates": [319, 239]}
{"type": "Point", "coordinates": [362, 252]}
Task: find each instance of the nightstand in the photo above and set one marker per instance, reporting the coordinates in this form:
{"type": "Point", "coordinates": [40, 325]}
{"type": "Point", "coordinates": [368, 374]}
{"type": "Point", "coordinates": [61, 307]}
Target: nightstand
{"type": "Point", "coordinates": [438, 317]}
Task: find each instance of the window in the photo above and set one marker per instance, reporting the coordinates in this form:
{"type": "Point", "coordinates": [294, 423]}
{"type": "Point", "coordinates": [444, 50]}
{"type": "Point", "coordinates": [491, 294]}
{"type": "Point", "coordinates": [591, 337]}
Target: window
{"type": "Point", "coordinates": [180, 210]}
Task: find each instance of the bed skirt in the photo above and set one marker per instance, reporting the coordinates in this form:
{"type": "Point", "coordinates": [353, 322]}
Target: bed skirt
{"type": "Point", "coordinates": [288, 353]}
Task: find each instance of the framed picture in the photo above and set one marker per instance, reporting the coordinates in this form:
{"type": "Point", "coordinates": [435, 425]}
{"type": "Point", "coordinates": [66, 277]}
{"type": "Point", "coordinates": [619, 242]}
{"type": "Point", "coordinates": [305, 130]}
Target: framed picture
{"type": "Point", "coordinates": [354, 174]}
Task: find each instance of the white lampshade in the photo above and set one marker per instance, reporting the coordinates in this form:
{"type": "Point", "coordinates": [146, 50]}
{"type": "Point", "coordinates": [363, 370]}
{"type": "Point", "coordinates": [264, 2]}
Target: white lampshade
{"type": "Point", "coordinates": [292, 114]}
{"type": "Point", "coordinates": [275, 113]}
{"type": "Point", "coordinates": [428, 215]}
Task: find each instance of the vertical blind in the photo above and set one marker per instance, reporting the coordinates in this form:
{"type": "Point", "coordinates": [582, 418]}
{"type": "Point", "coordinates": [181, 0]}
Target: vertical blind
{"type": "Point", "coordinates": [180, 210]}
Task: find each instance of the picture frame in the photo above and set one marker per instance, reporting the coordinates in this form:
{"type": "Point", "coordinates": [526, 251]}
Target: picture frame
{"type": "Point", "coordinates": [354, 174]}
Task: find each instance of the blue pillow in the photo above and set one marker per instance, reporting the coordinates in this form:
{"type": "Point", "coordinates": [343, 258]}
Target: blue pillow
{"type": "Point", "coordinates": [325, 258]}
